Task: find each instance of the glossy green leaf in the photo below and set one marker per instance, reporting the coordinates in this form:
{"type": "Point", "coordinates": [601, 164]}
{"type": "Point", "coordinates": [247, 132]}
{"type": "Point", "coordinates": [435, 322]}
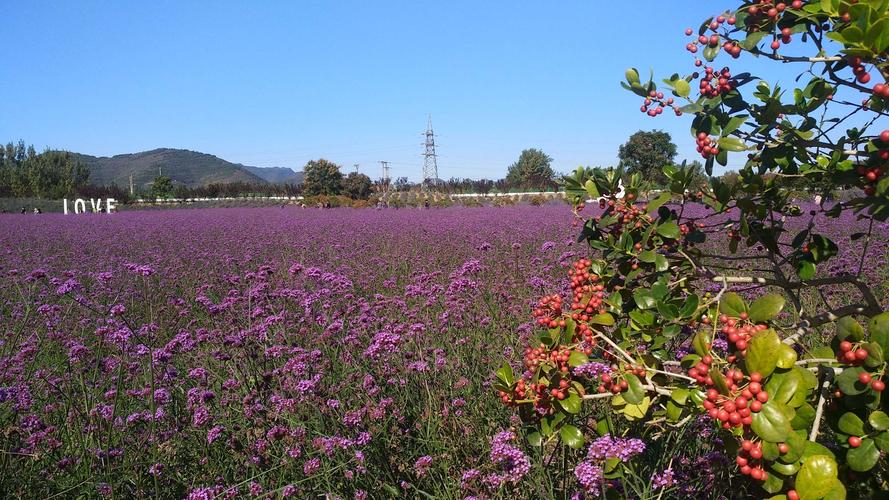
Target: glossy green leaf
{"type": "Point", "coordinates": [786, 357]}
{"type": "Point", "coordinates": [669, 230]}
{"type": "Point", "coordinates": [878, 420]}
{"type": "Point", "coordinates": [770, 423]}
{"type": "Point", "coordinates": [878, 328]}
{"type": "Point", "coordinates": [849, 329]}
{"type": "Point", "coordinates": [731, 144]}
{"type": "Point", "coordinates": [766, 307]}
{"type": "Point", "coordinates": [571, 403]}
{"type": "Point", "coordinates": [571, 436]}
{"type": "Point", "coordinates": [644, 299]}
{"type": "Point", "coordinates": [848, 381]}
{"type": "Point", "coordinates": [701, 343]}
{"type": "Point", "coordinates": [762, 352]}
{"type": "Point", "coordinates": [577, 358]}
{"type": "Point", "coordinates": [850, 423]}
{"type": "Point", "coordinates": [605, 319]}
{"type": "Point", "coordinates": [816, 477]}
{"type": "Point", "coordinates": [732, 305]}
{"type": "Point", "coordinates": [635, 392]}
{"type": "Point", "coordinates": [864, 457]}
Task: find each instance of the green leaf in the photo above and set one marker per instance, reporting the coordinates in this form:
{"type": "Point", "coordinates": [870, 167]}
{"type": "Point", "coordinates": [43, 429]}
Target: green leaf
{"type": "Point", "coordinates": [786, 357]}
{"type": "Point", "coordinates": [732, 305]}
{"type": "Point", "coordinates": [669, 230]}
{"type": "Point", "coordinates": [535, 439]}
{"type": "Point", "coordinates": [848, 381]}
{"type": "Point", "coordinates": [605, 319]}
{"type": "Point", "coordinates": [878, 420]}
{"type": "Point", "coordinates": [656, 203]}
{"type": "Point", "coordinates": [773, 484]}
{"type": "Point", "coordinates": [660, 263]}
{"type": "Point", "coordinates": [571, 403]}
{"type": "Point", "coordinates": [784, 386]}
{"type": "Point", "coordinates": [572, 436]}
{"type": "Point", "coordinates": [762, 352]}
{"type": "Point", "coordinates": [591, 189]}
{"type": "Point", "coordinates": [805, 269]}
{"type": "Point", "coordinates": [863, 458]}
{"type": "Point", "coordinates": [731, 144]}
{"type": "Point", "coordinates": [882, 440]}
{"type": "Point", "coordinates": [577, 358]}
{"type": "Point", "coordinates": [770, 423]}
{"type": "Point", "coordinates": [679, 395]}
{"type": "Point", "coordinates": [673, 411]}
{"type": "Point", "coordinates": [681, 87]}
{"type": "Point", "coordinates": [690, 306]}
{"type": "Point", "coordinates": [816, 477]}
{"type": "Point", "coordinates": [849, 329]}
{"type": "Point", "coordinates": [506, 375]}
{"type": "Point", "coordinates": [701, 343]}
{"type": "Point", "coordinates": [632, 75]}
{"type": "Point", "coordinates": [766, 307]}
{"type": "Point", "coordinates": [719, 381]}
{"type": "Point", "coordinates": [874, 354]}
{"type": "Point", "coordinates": [644, 299]}
{"type": "Point", "coordinates": [648, 256]}
{"type": "Point", "coordinates": [850, 423]}
{"type": "Point", "coordinates": [878, 328]}
{"type": "Point", "coordinates": [635, 393]}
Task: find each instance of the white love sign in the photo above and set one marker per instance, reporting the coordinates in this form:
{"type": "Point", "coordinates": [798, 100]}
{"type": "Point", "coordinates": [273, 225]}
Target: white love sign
{"type": "Point", "coordinates": [95, 205]}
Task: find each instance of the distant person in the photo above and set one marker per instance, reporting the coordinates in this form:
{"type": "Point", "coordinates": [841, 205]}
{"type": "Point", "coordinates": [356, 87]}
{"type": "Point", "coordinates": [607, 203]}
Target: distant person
{"type": "Point", "coordinates": [426, 204]}
{"type": "Point", "coordinates": [24, 210]}
{"type": "Point", "coordinates": [37, 211]}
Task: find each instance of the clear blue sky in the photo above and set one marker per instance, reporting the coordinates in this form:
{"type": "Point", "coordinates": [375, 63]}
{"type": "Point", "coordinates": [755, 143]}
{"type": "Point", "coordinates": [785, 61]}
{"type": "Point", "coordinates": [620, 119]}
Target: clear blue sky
{"type": "Point", "coordinates": [280, 83]}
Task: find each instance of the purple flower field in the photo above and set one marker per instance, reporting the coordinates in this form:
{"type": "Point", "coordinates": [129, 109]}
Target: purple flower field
{"type": "Point", "coordinates": [285, 352]}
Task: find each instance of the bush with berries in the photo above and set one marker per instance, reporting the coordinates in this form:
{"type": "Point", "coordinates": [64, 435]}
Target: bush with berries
{"type": "Point", "coordinates": [655, 330]}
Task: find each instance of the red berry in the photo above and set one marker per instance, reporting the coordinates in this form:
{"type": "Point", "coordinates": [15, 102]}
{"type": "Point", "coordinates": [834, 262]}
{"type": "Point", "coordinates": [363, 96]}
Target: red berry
{"type": "Point", "coordinates": [755, 377]}
{"type": "Point", "coordinates": [884, 136]}
{"type": "Point", "coordinates": [854, 441]}
{"type": "Point", "coordinates": [878, 385]}
{"type": "Point", "coordinates": [845, 346]}
{"type": "Point", "coordinates": [792, 495]}
{"type": "Point", "coordinates": [864, 378]}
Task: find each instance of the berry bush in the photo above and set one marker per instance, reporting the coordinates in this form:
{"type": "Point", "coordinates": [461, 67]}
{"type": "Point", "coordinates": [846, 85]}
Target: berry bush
{"type": "Point", "coordinates": [733, 316]}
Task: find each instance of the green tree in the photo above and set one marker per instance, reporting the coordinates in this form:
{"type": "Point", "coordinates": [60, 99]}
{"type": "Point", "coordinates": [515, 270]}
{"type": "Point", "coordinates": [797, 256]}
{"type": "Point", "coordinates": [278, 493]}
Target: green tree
{"type": "Point", "coordinates": [647, 153]}
{"type": "Point", "coordinates": [357, 186]}
{"type": "Point", "coordinates": [162, 187]}
{"type": "Point", "coordinates": [533, 169]}
{"type": "Point", "coordinates": [322, 177]}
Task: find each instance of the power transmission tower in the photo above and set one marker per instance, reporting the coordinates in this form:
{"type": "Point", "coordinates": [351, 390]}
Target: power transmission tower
{"type": "Point", "coordinates": [385, 178]}
{"type": "Point", "coordinates": [430, 165]}
{"type": "Point", "coordinates": [356, 167]}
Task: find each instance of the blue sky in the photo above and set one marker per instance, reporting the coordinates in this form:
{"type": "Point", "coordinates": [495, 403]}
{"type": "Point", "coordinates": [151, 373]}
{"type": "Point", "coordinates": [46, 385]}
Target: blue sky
{"type": "Point", "coordinates": [280, 83]}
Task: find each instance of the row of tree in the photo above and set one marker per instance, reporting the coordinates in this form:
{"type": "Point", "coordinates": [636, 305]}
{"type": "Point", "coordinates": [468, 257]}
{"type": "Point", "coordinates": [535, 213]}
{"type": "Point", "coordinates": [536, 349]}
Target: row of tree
{"type": "Point", "coordinates": [57, 174]}
{"type": "Point", "coordinates": [25, 173]}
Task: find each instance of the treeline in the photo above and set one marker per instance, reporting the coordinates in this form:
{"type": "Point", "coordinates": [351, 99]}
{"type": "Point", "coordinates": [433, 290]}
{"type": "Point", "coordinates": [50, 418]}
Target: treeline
{"type": "Point", "coordinates": [26, 173]}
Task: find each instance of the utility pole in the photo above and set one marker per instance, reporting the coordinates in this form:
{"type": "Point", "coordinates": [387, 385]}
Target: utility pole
{"type": "Point", "coordinates": [131, 185]}
{"type": "Point", "coordinates": [356, 167]}
{"type": "Point", "coordinates": [430, 165]}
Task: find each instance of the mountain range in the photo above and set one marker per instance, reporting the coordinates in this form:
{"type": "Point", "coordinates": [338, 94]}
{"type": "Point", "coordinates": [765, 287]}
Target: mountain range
{"type": "Point", "coordinates": [190, 168]}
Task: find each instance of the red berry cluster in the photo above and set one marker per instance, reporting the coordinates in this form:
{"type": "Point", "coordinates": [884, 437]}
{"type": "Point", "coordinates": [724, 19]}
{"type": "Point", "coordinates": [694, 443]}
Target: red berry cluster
{"type": "Point", "coordinates": [549, 312]}
{"type": "Point", "coordinates": [749, 460]}
{"type": "Point", "coordinates": [785, 38]}
{"type": "Point", "coordinates": [706, 146]}
{"type": "Point", "coordinates": [617, 385]}
{"type": "Point", "coordinates": [587, 292]}
{"type": "Point", "coordinates": [723, 82]}
{"type": "Point", "coordinates": [851, 354]}
{"type": "Point", "coordinates": [658, 99]}
{"type": "Point", "coordinates": [738, 332]}
{"type": "Point", "coordinates": [713, 40]}
{"type": "Point", "coordinates": [872, 174]}
{"type": "Point", "coordinates": [769, 10]}
{"type": "Point", "coordinates": [858, 68]}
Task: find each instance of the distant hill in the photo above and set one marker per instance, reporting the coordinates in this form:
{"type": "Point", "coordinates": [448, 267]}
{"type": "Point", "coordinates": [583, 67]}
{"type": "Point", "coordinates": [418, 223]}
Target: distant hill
{"type": "Point", "coordinates": [276, 175]}
{"type": "Point", "coordinates": [190, 168]}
